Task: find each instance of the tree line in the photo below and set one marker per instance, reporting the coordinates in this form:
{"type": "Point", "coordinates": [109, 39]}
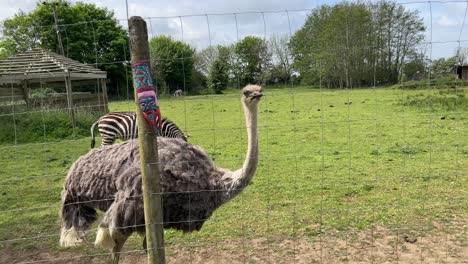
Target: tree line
{"type": "Point", "coordinates": [357, 44]}
{"type": "Point", "coordinates": [90, 35]}
{"type": "Point", "coordinates": [350, 44]}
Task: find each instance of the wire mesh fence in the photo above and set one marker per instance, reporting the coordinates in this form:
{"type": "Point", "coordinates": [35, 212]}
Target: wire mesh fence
{"type": "Point", "coordinates": [348, 171]}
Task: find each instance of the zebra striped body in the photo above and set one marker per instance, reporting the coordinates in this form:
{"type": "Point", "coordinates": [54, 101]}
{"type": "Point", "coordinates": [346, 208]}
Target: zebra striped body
{"type": "Point", "coordinates": [124, 125]}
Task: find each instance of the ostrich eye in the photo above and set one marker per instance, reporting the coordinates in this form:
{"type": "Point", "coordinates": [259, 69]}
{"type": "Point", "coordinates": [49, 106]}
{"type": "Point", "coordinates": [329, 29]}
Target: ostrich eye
{"type": "Point", "coordinates": [246, 93]}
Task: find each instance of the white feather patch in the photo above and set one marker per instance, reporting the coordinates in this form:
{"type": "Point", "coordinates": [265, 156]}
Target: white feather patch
{"type": "Point", "coordinates": [104, 239]}
{"type": "Point", "coordinates": [70, 238]}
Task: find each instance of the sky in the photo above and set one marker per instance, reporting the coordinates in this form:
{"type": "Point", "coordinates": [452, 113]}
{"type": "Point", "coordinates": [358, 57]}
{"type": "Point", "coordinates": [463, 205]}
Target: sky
{"type": "Point", "coordinates": [211, 22]}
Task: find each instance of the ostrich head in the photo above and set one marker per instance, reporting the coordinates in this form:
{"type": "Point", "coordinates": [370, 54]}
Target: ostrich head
{"type": "Point", "coordinates": [251, 95]}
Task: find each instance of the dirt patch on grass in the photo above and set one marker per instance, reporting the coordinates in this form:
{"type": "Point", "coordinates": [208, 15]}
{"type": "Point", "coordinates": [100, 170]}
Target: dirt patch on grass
{"type": "Point", "coordinates": [371, 246]}
{"type": "Point", "coordinates": [378, 245]}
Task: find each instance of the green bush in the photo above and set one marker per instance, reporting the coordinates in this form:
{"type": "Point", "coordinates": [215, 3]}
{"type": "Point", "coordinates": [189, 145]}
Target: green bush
{"type": "Point", "coordinates": [42, 92]}
{"type": "Point", "coordinates": [37, 127]}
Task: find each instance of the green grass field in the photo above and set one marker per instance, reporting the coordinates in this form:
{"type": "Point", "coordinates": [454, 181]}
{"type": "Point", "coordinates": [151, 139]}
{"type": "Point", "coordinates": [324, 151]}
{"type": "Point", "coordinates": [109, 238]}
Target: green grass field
{"type": "Point", "coordinates": [331, 160]}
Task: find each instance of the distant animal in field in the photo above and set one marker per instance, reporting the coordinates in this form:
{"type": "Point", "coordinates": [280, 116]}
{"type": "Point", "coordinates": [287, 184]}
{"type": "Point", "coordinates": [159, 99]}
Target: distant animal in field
{"type": "Point", "coordinates": [124, 125]}
{"type": "Point", "coordinates": [178, 92]}
{"type": "Point", "coordinates": [192, 186]}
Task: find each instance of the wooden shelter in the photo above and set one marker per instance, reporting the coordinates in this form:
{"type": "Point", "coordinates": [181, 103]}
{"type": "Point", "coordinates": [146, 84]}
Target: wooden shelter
{"type": "Point", "coordinates": [41, 68]}
{"type": "Point", "coordinates": [462, 72]}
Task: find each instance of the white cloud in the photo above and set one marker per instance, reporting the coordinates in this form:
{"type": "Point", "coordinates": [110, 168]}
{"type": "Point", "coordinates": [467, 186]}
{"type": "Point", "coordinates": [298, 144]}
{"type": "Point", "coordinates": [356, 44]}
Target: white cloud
{"type": "Point", "coordinates": [447, 18]}
{"type": "Point", "coordinates": [445, 21]}
{"type": "Point", "coordinates": [8, 8]}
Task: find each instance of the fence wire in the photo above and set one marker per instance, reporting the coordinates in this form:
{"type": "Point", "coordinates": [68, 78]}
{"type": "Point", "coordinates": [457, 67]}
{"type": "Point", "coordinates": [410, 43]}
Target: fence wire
{"type": "Point", "coordinates": [380, 183]}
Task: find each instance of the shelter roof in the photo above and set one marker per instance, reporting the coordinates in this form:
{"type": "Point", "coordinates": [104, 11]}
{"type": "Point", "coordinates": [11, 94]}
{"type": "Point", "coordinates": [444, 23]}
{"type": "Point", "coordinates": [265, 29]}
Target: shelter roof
{"type": "Point", "coordinates": [39, 65]}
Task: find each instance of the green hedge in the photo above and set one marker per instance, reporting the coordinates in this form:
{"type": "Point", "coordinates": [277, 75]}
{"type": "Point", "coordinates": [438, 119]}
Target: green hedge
{"type": "Point", "coordinates": [46, 126]}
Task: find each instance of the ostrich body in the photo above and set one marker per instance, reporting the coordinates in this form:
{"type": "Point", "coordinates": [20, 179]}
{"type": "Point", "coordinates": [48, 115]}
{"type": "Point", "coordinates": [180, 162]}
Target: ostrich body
{"type": "Point", "coordinates": [193, 187]}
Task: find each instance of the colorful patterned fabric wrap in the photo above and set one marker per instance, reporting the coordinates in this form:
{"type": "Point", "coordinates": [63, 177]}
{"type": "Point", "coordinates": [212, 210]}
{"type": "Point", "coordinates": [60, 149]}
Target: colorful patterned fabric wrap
{"type": "Point", "coordinates": [147, 95]}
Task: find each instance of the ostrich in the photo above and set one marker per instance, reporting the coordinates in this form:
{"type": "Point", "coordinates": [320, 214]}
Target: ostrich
{"type": "Point", "coordinates": [193, 187]}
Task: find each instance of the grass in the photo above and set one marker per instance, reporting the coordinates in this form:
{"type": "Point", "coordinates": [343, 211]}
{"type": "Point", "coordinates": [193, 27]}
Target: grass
{"type": "Point", "coordinates": [36, 125]}
{"type": "Point", "coordinates": [438, 83]}
{"type": "Point", "coordinates": [447, 99]}
{"type": "Point", "coordinates": [330, 160]}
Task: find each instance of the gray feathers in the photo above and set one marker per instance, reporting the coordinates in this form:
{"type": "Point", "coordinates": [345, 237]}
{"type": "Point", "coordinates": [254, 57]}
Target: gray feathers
{"type": "Point", "coordinates": [192, 187]}
{"type": "Point", "coordinates": [109, 179]}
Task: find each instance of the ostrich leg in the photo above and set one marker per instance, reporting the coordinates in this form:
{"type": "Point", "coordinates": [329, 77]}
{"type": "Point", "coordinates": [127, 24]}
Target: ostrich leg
{"type": "Point", "coordinates": [145, 247]}
{"type": "Point", "coordinates": [112, 234]}
{"type": "Point", "coordinates": [119, 242]}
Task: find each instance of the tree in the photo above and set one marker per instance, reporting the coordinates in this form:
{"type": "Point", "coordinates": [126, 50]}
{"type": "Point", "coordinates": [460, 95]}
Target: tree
{"type": "Point", "coordinates": [218, 78]}
{"type": "Point", "coordinates": [307, 49]}
{"type": "Point", "coordinates": [90, 35]}
{"type": "Point", "coordinates": [356, 44]}
{"type": "Point", "coordinates": [253, 60]}
{"type": "Point", "coordinates": [415, 67]}
{"type": "Point", "coordinates": [397, 33]}
{"type": "Point", "coordinates": [443, 67]}
{"type": "Point", "coordinates": [172, 63]}
{"type": "Point", "coordinates": [205, 57]}
{"type": "Point", "coordinates": [222, 75]}
{"type": "Point", "coordinates": [281, 58]}
{"type": "Point", "coordinates": [20, 33]}
{"type": "Point", "coordinates": [198, 82]}
{"type": "Point", "coordinates": [461, 56]}
{"type": "Point", "coordinates": [3, 51]}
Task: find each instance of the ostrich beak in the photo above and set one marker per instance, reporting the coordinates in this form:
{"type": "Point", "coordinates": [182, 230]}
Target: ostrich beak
{"type": "Point", "coordinates": [257, 95]}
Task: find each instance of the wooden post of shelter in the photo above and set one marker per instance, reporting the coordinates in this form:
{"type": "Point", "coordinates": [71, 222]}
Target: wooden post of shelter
{"type": "Point", "coordinates": [71, 109]}
{"type": "Point", "coordinates": [138, 33]}
{"type": "Point", "coordinates": [26, 93]}
{"type": "Point", "coordinates": [104, 95]}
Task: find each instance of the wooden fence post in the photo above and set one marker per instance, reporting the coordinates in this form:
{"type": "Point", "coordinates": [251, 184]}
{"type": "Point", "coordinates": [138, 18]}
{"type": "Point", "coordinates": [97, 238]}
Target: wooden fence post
{"type": "Point", "coordinates": [148, 142]}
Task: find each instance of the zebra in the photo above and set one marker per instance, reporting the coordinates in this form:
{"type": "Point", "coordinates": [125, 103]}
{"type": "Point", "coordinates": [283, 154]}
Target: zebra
{"type": "Point", "coordinates": [123, 125]}
{"type": "Point", "coordinates": [178, 92]}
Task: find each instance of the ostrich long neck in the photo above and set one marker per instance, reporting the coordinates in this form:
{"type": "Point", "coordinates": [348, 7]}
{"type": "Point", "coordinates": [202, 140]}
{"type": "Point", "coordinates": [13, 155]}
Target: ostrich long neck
{"type": "Point", "coordinates": [242, 177]}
